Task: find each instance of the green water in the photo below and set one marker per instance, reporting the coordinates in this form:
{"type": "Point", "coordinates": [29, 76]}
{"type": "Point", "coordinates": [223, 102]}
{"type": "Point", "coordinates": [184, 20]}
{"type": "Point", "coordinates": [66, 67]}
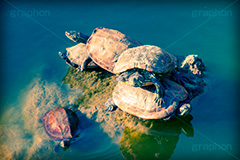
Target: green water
{"type": "Point", "coordinates": [32, 74]}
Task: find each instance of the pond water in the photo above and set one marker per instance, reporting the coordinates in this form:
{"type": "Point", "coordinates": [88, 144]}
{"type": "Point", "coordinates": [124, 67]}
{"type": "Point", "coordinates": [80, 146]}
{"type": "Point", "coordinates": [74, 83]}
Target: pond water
{"type": "Point", "coordinates": [32, 74]}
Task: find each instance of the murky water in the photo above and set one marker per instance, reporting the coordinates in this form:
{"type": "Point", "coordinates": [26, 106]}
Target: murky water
{"type": "Point", "coordinates": [32, 74]}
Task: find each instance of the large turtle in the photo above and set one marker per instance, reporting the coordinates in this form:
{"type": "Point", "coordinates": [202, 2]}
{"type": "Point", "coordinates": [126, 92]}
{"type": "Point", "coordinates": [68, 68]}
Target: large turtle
{"type": "Point", "coordinates": [62, 124]}
{"type": "Point", "coordinates": [139, 101]}
{"type": "Point", "coordinates": [145, 61]}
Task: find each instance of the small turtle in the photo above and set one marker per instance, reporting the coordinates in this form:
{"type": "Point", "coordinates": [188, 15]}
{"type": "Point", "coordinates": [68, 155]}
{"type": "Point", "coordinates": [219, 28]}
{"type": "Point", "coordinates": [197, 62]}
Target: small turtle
{"type": "Point", "coordinates": [103, 47]}
{"type": "Point", "coordinates": [62, 124]}
{"type": "Point", "coordinates": [139, 101]}
{"type": "Point", "coordinates": [77, 57]}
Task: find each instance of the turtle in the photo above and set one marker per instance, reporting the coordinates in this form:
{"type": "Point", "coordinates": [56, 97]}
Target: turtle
{"type": "Point", "coordinates": [149, 64]}
{"type": "Point", "coordinates": [77, 56]}
{"type": "Point", "coordinates": [138, 101]}
{"type": "Point", "coordinates": [61, 123]}
{"type": "Point", "coordinates": [103, 47]}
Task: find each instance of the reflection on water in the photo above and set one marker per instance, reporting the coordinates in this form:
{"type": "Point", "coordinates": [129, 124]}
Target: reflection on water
{"type": "Point", "coordinates": [22, 134]}
{"type": "Point", "coordinates": [155, 142]}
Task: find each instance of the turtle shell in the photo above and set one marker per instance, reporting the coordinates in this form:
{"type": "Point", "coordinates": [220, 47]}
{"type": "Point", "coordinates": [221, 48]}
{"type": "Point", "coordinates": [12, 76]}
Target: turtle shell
{"type": "Point", "coordinates": [60, 123]}
{"type": "Point", "coordinates": [78, 54]}
{"type": "Point", "coordinates": [105, 45]}
{"type": "Point", "coordinates": [139, 101]}
{"type": "Point", "coordinates": [151, 58]}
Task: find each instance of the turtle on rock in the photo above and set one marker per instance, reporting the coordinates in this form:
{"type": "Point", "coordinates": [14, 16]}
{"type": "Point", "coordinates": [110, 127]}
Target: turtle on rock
{"type": "Point", "coordinates": [143, 64]}
{"type": "Point", "coordinates": [61, 123]}
{"type": "Point", "coordinates": [139, 101]}
{"type": "Point", "coordinates": [103, 47]}
{"type": "Point", "coordinates": [76, 56]}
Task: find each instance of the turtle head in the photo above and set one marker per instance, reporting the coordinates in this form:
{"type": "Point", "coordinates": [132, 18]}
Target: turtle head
{"type": "Point", "coordinates": [76, 36]}
{"type": "Point", "coordinates": [136, 80]}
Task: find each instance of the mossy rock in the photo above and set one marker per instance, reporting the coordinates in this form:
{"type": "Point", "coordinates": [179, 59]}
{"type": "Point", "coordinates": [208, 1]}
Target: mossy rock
{"type": "Point", "coordinates": [97, 86]}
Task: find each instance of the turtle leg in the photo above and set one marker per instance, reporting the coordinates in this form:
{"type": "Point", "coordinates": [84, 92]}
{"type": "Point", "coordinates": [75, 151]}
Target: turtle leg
{"type": "Point", "coordinates": [65, 144]}
{"type": "Point", "coordinates": [173, 115]}
{"type": "Point", "coordinates": [193, 84]}
{"type": "Point", "coordinates": [159, 87]}
{"type": "Point", "coordinates": [180, 79]}
{"type": "Point", "coordinates": [82, 67]}
{"type": "Point", "coordinates": [63, 56]}
{"type": "Point", "coordinates": [111, 106]}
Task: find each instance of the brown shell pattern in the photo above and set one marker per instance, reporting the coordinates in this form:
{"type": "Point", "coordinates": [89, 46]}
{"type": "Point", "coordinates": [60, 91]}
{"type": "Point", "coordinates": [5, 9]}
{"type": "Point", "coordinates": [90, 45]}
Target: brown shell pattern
{"type": "Point", "coordinates": [77, 54]}
{"type": "Point", "coordinates": [56, 124]}
{"type": "Point", "coordinates": [105, 45]}
{"type": "Point", "coordinates": [151, 58]}
{"type": "Point", "coordinates": [140, 102]}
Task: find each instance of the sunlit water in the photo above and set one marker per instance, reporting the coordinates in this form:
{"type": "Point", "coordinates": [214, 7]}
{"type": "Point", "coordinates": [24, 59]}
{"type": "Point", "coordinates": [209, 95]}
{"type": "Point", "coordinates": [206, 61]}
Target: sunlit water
{"type": "Point", "coordinates": [32, 73]}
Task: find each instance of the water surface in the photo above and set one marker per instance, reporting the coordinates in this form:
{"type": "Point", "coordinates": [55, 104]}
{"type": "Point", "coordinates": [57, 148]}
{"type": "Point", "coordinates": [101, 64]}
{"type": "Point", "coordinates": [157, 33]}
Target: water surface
{"type": "Point", "coordinates": [32, 74]}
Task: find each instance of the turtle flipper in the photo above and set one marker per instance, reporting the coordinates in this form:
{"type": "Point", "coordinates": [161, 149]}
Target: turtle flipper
{"type": "Point", "coordinates": [159, 87]}
{"type": "Point", "coordinates": [111, 106]}
{"type": "Point", "coordinates": [65, 144]}
{"type": "Point", "coordinates": [173, 115]}
{"type": "Point", "coordinates": [192, 83]}
{"type": "Point", "coordinates": [83, 66]}
{"type": "Point", "coordinates": [63, 56]}
{"type": "Point", "coordinates": [179, 78]}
